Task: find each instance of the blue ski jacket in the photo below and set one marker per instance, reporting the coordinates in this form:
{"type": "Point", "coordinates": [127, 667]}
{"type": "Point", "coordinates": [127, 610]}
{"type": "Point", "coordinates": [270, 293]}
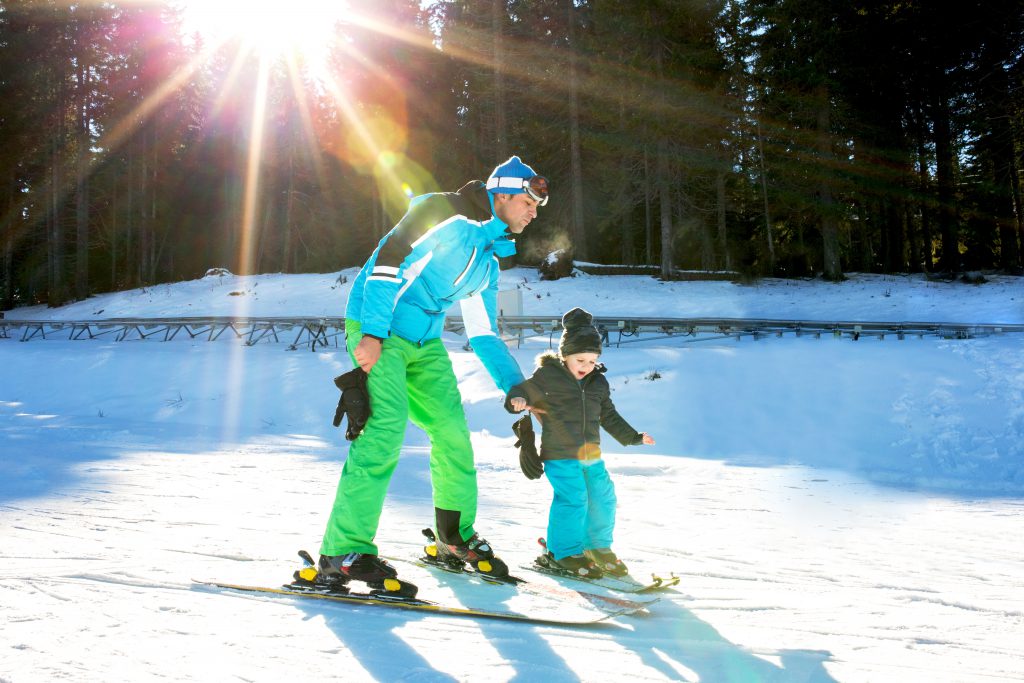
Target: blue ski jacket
{"type": "Point", "coordinates": [445, 249]}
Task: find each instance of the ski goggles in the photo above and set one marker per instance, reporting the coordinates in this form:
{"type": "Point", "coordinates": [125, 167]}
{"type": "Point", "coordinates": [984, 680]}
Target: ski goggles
{"type": "Point", "coordinates": [536, 186]}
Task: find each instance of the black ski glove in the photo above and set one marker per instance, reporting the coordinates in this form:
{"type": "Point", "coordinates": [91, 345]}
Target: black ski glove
{"type": "Point", "coordinates": [355, 400]}
{"type": "Point", "coordinates": [529, 461]}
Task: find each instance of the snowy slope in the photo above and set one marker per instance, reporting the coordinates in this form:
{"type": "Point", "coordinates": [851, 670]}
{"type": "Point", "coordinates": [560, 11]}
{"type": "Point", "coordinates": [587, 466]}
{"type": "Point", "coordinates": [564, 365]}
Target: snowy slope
{"type": "Point", "coordinates": [838, 510]}
{"type": "Point", "coordinates": [860, 297]}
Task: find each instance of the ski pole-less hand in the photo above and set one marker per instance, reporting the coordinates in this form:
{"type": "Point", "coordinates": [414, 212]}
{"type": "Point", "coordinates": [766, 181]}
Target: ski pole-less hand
{"type": "Point", "coordinates": [367, 352]}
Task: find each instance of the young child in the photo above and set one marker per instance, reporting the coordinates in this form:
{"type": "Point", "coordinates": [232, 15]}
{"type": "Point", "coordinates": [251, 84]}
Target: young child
{"type": "Point", "coordinates": [570, 396]}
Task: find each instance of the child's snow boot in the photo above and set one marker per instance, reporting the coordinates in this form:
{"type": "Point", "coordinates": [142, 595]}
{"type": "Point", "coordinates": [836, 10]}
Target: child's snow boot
{"type": "Point", "coordinates": [607, 561]}
{"type": "Point", "coordinates": [580, 565]}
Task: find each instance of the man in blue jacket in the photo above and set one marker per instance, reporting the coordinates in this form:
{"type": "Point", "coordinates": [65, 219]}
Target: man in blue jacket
{"type": "Point", "coordinates": [445, 249]}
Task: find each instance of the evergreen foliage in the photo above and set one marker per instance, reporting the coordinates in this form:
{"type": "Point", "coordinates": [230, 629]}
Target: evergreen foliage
{"type": "Point", "coordinates": [766, 137]}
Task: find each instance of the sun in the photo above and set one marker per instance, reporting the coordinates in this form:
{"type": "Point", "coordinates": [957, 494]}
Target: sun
{"type": "Point", "coordinates": [270, 28]}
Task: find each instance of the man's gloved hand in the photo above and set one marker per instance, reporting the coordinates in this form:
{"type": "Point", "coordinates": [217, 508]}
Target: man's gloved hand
{"type": "Point", "coordinates": [529, 462]}
{"type": "Point", "coordinates": [355, 401]}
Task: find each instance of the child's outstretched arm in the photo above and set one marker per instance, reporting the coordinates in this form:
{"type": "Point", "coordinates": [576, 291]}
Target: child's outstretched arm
{"type": "Point", "coordinates": [616, 425]}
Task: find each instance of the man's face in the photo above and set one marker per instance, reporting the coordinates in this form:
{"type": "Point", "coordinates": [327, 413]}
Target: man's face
{"type": "Point", "coordinates": [517, 210]}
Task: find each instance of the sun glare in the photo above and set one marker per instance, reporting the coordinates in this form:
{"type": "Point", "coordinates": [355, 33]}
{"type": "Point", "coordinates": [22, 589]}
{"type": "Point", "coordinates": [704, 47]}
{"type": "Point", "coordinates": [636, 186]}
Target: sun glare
{"type": "Point", "coordinates": [271, 28]}
{"type": "Point", "coordinates": [322, 63]}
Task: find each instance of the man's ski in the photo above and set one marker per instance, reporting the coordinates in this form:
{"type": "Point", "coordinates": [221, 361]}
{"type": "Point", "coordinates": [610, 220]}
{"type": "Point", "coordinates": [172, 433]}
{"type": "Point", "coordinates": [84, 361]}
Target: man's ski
{"type": "Point", "coordinates": [420, 605]}
{"type": "Point", "coordinates": [625, 583]}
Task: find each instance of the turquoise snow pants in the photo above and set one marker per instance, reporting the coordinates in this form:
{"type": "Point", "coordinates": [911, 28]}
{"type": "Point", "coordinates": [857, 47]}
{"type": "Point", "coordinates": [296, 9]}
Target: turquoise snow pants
{"type": "Point", "coordinates": [582, 515]}
{"type": "Point", "coordinates": [409, 382]}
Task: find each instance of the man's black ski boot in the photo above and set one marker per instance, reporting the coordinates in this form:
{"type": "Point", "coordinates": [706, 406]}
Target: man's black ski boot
{"type": "Point", "coordinates": [476, 552]}
{"type": "Point", "coordinates": [579, 565]}
{"type": "Point", "coordinates": [375, 572]}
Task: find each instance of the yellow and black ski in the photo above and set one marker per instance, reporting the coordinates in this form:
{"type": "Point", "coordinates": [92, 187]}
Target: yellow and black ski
{"type": "Point", "coordinates": [417, 604]}
{"type": "Point", "coordinates": [308, 584]}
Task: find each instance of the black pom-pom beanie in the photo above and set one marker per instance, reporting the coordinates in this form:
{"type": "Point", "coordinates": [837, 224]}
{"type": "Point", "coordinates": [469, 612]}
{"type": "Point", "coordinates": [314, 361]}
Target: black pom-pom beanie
{"type": "Point", "coordinates": [579, 334]}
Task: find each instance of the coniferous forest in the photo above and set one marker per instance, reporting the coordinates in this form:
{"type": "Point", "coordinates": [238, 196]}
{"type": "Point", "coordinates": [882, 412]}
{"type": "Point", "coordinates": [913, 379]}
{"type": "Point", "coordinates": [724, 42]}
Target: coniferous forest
{"type": "Point", "coordinates": [790, 138]}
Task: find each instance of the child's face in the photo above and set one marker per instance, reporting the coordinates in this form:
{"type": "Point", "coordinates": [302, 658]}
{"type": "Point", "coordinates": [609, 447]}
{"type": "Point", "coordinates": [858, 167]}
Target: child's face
{"type": "Point", "coordinates": [581, 364]}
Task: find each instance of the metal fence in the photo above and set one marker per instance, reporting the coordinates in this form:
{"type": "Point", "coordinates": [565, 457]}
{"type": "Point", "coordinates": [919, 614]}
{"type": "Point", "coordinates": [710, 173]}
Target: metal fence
{"type": "Point", "coordinates": [314, 333]}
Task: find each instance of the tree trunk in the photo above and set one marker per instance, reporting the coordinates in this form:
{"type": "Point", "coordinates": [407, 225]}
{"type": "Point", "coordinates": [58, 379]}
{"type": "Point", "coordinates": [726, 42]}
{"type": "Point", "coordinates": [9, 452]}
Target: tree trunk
{"type": "Point", "coordinates": [927, 251]}
{"type": "Point", "coordinates": [894, 222]}
{"type": "Point", "coordinates": [155, 248]}
{"type": "Point", "coordinates": [82, 230]}
{"type": "Point", "coordinates": [7, 243]}
{"type": "Point", "coordinates": [627, 243]}
{"type": "Point", "coordinates": [114, 201]}
{"type": "Point", "coordinates": [864, 230]}
{"type": "Point", "coordinates": [1004, 176]}
{"type": "Point", "coordinates": [912, 239]}
{"type": "Point", "coordinates": [500, 125]}
{"type": "Point", "coordinates": [665, 206]}
{"type": "Point", "coordinates": [131, 190]}
{"type": "Point", "coordinates": [232, 201]}
{"type": "Point", "coordinates": [1018, 206]}
{"type": "Point", "coordinates": [725, 258]}
{"type": "Point", "coordinates": [648, 217]}
{"type": "Point", "coordinates": [141, 274]}
{"type": "Point", "coordinates": [56, 286]}
{"type": "Point", "coordinates": [7, 259]}
{"type": "Point", "coordinates": [579, 236]}
{"type": "Point", "coordinates": [949, 260]}
{"type": "Point", "coordinates": [832, 270]}
{"type": "Point", "coordinates": [82, 187]}
{"type": "Point", "coordinates": [764, 195]}
{"type": "Point", "coordinates": [289, 215]}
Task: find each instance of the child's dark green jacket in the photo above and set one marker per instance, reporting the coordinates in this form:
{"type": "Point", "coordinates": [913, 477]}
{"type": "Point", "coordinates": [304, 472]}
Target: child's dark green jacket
{"type": "Point", "coordinates": [576, 410]}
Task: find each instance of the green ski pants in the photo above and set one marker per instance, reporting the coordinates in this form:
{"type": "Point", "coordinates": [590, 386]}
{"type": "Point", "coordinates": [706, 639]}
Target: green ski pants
{"type": "Point", "coordinates": [409, 382]}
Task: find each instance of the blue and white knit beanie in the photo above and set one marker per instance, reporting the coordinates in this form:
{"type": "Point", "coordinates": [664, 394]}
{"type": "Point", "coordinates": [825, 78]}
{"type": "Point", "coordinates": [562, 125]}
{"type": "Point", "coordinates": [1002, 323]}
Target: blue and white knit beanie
{"type": "Point", "coordinates": [507, 178]}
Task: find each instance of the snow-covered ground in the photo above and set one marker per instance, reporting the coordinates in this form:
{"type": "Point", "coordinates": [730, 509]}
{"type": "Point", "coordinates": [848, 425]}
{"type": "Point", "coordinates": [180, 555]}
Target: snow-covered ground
{"type": "Point", "coordinates": [860, 297]}
{"type": "Point", "coordinates": [838, 510]}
